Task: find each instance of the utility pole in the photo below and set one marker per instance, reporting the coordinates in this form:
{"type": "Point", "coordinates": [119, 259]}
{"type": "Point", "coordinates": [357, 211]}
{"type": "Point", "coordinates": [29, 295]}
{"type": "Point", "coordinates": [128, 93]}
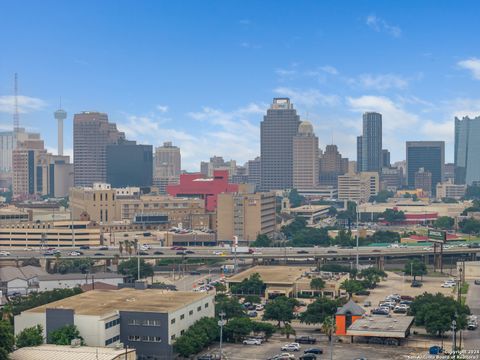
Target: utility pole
{"type": "Point", "coordinates": [221, 323]}
{"type": "Point", "coordinates": [356, 211]}
{"type": "Point", "coordinates": [454, 344]}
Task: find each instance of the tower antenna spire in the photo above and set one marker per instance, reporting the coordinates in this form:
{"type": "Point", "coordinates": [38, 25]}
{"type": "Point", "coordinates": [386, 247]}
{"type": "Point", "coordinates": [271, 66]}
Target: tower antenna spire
{"type": "Point", "coordinates": [16, 116]}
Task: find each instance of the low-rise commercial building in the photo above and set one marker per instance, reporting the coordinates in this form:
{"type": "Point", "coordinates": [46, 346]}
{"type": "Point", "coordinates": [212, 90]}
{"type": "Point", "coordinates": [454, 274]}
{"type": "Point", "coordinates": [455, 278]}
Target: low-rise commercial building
{"type": "Point", "coordinates": [61, 352]}
{"type": "Point", "coordinates": [49, 233]}
{"type": "Point", "coordinates": [11, 214]}
{"type": "Point", "coordinates": [146, 320]}
{"type": "Point", "coordinates": [245, 215]}
{"type": "Point", "coordinates": [47, 282]}
{"type": "Point", "coordinates": [21, 280]}
{"type": "Point", "coordinates": [311, 213]}
{"type": "Point", "coordinates": [450, 190]}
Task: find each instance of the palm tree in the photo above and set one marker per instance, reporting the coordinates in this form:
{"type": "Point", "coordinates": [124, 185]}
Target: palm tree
{"type": "Point", "coordinates": [329, 327]}
{"type": "Point", "coordinates": [120, 247]}
{"type": "Point", "coordinates": [287, 330]}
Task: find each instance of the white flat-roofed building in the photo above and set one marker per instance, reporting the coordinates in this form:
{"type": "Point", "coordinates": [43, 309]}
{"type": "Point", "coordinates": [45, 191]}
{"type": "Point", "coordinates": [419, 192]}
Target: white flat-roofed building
{"type": "Point", "coordinates": [62, 352]}
{"type": "Point", "coordinates": [69, 281]}
{"type": "Point", "coordinates": [147, 320]}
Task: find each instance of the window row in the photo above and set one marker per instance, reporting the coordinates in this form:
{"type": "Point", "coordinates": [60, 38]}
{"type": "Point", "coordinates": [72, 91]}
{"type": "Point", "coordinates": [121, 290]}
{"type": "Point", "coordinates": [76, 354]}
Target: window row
{"type": "Point", "coordinates": [199, 308]}
{"type": "Point", "coordinates": [109, 324]}
{"type": "Point", "coordinates": [144, 322]}
{"type": "Point", "coordinates": [112, 340]}
{"type": "Point", "coordinates": [144, 338]}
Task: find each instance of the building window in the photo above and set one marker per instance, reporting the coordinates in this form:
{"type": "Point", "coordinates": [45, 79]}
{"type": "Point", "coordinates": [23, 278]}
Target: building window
{"type": "Point", "coordinates": [151, 323]}
{"type": "Point", "coordinates": [181, 332]}
{"type": "Point", "coordinates": [190, 312]}
{"type": "Point", "coordinates": [172, 337]}
{"type": "Point", "coordinates": [151, 339]}
{"type": "Point", "coordinates": [172, 321]}
{"type": "Point", "coordinates": [112, 323]}
{"type": "Point", "coordinates": [112, 340]}
{"type": "Point", "coordinates": [206, 305]}
{"type": "Point", "coordinates": [133, 322]}
{"type": "Point", "coordinates": [133, 338]}
{"type": "Point", "coordinates": [182, 316]}
{"type": "Point", "coordinates": [199, 308]}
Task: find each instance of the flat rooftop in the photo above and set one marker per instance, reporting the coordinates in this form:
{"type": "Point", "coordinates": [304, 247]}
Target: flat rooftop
{"type": "Point", "coordinates": [272, 274]}
{"type": "Point", "coordinates": [310, 208]}
{"type": "Point", "coordinates": [99, 302]}
{"type": "Point", "coordinates": [62, 352]}
{"type": "Point", "coordinates": [381, 326]}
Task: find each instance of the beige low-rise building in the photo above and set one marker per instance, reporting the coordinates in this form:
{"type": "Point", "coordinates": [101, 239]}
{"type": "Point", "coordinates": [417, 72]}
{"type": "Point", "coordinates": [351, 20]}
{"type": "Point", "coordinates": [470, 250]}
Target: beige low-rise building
{"type": "Point", "coordinates": [450, 190]}
{"type": "Point", "coordinates": [49, 234]}
{"type": "Point", "coordinates": [61, 352]}
{"type": "Point", "coordinates": [292, 281]}
{"type": "Point", "coordinates": [245, 215]}
{"type": "Point", "coordinates": [311, 213]}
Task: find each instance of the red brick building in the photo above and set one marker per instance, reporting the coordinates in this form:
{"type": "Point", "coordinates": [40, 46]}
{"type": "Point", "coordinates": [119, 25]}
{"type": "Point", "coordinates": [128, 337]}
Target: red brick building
{"type": "Point", "coordinates": [196, 185]}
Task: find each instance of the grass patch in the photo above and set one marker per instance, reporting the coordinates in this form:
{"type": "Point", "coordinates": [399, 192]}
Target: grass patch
{"type": "Point", "coordinates": [464, 288]}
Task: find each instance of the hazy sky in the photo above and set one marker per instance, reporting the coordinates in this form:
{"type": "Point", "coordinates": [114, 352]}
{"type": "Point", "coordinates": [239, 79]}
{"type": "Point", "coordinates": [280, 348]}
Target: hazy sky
{"type": "Point", "coordinates": [202, 73]}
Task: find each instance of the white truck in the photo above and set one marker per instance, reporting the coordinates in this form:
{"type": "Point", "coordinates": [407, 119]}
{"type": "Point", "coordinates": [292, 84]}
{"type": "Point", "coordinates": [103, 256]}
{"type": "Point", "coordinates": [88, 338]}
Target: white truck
{"type": "Point", "coordinates": [240, 250]}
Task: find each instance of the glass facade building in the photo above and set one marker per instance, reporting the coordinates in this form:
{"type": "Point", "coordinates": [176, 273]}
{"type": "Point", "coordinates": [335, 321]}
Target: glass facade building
{"type": "Point", "coordinates": [467, 150]}
{"type": "Point", "coordinates": [429, 155]}
{"type": "Point", "coordinates": [369, 145]}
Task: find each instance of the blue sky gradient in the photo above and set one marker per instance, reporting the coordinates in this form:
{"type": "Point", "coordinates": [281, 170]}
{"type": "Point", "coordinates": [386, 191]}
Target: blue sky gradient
{"type": "Point", "coordinates": [202, 73]}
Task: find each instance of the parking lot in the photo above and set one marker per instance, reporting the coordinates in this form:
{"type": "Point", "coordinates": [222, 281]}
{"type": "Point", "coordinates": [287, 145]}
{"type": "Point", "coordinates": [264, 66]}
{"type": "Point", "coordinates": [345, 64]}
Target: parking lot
{"type": "Point", "coordinates": [341, 351]}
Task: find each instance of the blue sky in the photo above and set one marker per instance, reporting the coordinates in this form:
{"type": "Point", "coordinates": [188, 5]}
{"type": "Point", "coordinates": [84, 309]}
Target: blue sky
{"type": "Point", "coordinates": [202, 73]}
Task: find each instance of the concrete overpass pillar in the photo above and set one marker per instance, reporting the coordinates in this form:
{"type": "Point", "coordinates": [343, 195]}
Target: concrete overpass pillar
{"type": "Point", "coordinates": [43, 263]}
{"type": "Point", "coordinates": [380, 262]}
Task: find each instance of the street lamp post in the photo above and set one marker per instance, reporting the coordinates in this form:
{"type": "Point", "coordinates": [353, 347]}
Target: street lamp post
{"type": "Point", "coordinates": [221, 323]}
{"type": "Point", "coordinates": [356, 211]}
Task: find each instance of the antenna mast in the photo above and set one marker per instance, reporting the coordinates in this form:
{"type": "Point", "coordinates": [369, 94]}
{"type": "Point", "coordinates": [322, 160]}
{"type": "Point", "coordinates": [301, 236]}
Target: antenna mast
{"type": "Point", "coordinates": [16, 116]}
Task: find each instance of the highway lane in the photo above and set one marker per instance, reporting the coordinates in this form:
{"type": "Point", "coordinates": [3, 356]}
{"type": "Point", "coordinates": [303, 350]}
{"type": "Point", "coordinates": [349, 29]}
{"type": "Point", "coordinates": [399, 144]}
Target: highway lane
{"type": "Point", "coordinates": [286, 252]}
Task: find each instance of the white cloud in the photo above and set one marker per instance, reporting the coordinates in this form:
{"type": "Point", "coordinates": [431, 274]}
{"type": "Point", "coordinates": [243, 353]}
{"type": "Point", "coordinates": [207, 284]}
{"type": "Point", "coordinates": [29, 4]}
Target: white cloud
{"type": "Point", "coordinates": [378, 24]}
{"type": "Point", "coordinates": [285, 72]}
{"type": "Point", "coordinates": [309, 98]}
{"type": "Point", "coordinates": [379, 82]}
{"type": "Point", "coordinates": [162, 108]}
{"type": "Point", "coordinates": [394, 116]}
{"type": "Point", "coordinates": [461, 107]}
{"type": "Point", "coordinates": [438, 131]}
{"type": "Point", "coordinates": [329, 70]}
{"type": "Point", "coordinates": [472, 64]}
{"type": "Point", "coordinates": [26, 104]}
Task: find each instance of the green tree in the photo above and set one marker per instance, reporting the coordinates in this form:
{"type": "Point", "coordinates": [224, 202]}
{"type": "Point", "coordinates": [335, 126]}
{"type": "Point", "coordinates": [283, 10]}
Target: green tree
{"type": "Point", "coordinates": [230, 306]}
{"type": "Point", "coordinates": [469, 226]}
{"type": "Point", "coordinates": [446, 200]}
{"type": "Point", "coordinates": [436, 313]}
{"type": "Point", "coordinates": [253, 299]}
{"type": "Point", "coordinates": [329, 327]}
{"type": "Point", "coordinates": [266, 328]}
{"type": "Point", "coordinates": [280, 309]}
{"type": "Point", "coordinates": [382, 196]}
{"type": "Point", "coordinates": [352, 286]}
{"type": "Point", "coordinates": [7, 339]}
{"type": "Point", "coordinates": [371, 277]}
{"type": "Point", "coordinates": [32, 336]}
{"type": "Point", "coordinates": [344, 238]}
{"type": "Point", "coordinates": [130, 268]}
{"type": "Point", "coordinates": [319, 310]}
{"type": "Point", "coordinates": [392, 215]}
{"type": "Point", "coordinates": [295, 198]}
{"type": "Point", "coordinates": [254, 285]}
{"type": "Point", "coordinates": [473, 192]}
{"type": "Point", "coordinates": [219, 287]}
{"type": "Point", "coordinates": [350, 213]}
{"type": "Point", "coordinates": [444, 222]}
{"type": "Point", "coordinates": [64, 335]}
{"type": "Point", "coordinates": [381, 236]}
{"type": "Point", "coordinates": [237, 328]}
{"type": "Point", "coordinates": [298, 224]}
{"type": "Point", "coordinates": [287, 330]}
{"type": "Point", "coordinates": [82, 265]}
{"type": "Point", "coordinates": [262, 241]}
{"type": "Point", "coordinates": [414, 267]}
{"type": "Point", "coordinates": [201, 334]}
{"type": "Point", "coordinates": [309, 237]}
{"type": "Point", "coordinates": [317, 284]}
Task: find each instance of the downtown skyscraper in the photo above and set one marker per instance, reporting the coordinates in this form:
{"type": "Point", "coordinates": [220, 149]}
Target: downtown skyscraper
{"type": "Point", "coordinates": [277, 130]}
{"type": "Point", "coordinates": [467, 150]}
{"type": "Point", "coordinates": [369, 144]}
{"type": "Point", "coordinates": [426, 155]}
{"type": "Point", "coordinates": [91, 134]}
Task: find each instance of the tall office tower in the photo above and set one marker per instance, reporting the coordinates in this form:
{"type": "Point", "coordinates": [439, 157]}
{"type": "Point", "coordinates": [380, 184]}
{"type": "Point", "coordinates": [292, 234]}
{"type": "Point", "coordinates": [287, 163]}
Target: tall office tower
{"type": "Point", "coordinates": [385, 158]}
{"type": "Point", "coordinates": [277, 130]}
{"type": "Point", "coordinates": [449, 173]}
{"type": "Point", "coordinates": [467, 150]}
{"type": "Point", "coordinates": [370, 143]}
{"type": "Point", "coordinates": [168, 164]}
{"type": "Point", "coordinates": [332, 165]}
{"type": "Point", "coordinates": [60, 115]}
{"type": "Point", "coordinates": [129, 164]}
{"type": "Point", "coordinates": [429, 155]}
{"type": "Point", "coordinates": [305, 157]}
{"type": "Point", "coordinates": [91, 134]}
{"type": "Point", "coordinates": [359, 153]}
{"type": "Point", "coordinates": [8, 143]}
{"type": "Point", "coordinates": [423, 180]}
{"type": "Point", "coordinates": [254, 169]}
{"type": "Point", "coordinates": [24, 158]}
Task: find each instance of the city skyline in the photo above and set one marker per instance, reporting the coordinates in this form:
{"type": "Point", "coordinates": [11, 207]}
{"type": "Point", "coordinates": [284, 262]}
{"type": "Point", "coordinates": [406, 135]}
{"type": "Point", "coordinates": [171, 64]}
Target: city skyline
{"type": "Point", "coordinates": [415, 78]}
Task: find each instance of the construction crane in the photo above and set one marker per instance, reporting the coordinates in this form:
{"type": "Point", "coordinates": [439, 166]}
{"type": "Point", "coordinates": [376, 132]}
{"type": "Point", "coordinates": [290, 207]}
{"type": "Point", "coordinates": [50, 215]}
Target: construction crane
{"type": "Point", "coordinates": [16, 116]}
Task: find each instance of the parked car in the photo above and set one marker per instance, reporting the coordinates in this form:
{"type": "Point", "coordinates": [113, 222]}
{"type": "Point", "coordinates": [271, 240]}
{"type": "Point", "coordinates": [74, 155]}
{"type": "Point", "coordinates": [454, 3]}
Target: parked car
{"type": "Point", "coordinates": [252, 313]}
{"type": "Point", "coordinates": [305, 340]}
{"type": "Point", "coordinates": [380, 311]}
{"type": "Point", "coordinates": [84, 247]}
{"type": "Point", "coordinates": [477, 282]}
{"type": "Point", "coordinates": [98, 254]}
{"type": "Point", "coordinates": [308, 357]}
{"type": "Point", "coordinates": [189, 252]}
{"type": "Point", "coordinates": [448, 284]}
{"type": "Point", "coordinates": [282, 356]}
{"type": "Point", "coordinates": [252, 342]}
{"type": "Point", "coordinates": [435, 350]}
{"type": "Point", "coordinates": [194, 272]}
{"type": "Point", "coordinates": [472, 325]}
{"type": "Point", "coordinates": [74, 253]}
{"type": "Point", "coordinates": [407, 297]}
{"type": "Point", "coordinates": [290, 347]}
{"type": "Point", "coordinates": [331, 252]}
{"type": "Point", "coordinates": [158, 253]}
{"type": "Point", "coordinates": [367, 303]}
{"type": "Point", "coordinates": [416, 283]}
{"type": "Point", "coordinates": [302, 252]}
{"type": "Point", "coordinates": [316, 351]}
{"type": "Point", "coordinates": [143, 253]}
{"type": "Point", "coordinates": [181, 253]}
{"type": "Point", "coordinates": [259, 307]}
{"type": "Point", "coordinates": [103, 248]}
{"type": "Point", "coordinates": [4, 253]}
{"type": "Point", "coordinates": [400, 310]}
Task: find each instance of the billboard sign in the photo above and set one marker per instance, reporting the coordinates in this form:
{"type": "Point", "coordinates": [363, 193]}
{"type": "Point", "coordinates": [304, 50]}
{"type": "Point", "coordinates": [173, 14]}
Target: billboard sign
{"type": "Point", "coordinates": [437, 235]}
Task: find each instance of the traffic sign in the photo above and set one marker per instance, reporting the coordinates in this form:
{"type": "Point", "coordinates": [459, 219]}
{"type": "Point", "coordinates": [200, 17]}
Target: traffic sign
{"type": "Point", "coordinates": [437, 235]}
